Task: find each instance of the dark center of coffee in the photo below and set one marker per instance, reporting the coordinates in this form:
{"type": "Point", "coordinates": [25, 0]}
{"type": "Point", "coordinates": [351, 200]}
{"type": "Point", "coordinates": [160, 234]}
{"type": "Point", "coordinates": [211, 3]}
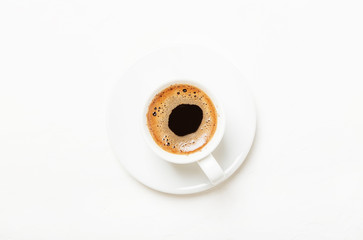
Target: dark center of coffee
{"type": "Point", "coordinates": [185, 119]}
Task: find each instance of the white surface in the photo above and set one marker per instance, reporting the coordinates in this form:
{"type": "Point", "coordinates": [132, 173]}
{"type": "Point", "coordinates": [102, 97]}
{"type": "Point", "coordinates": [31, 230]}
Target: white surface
{"type": "Point", "coordinates": [60, 59]}
{"type": "Point", "coordinates": [154, 72]}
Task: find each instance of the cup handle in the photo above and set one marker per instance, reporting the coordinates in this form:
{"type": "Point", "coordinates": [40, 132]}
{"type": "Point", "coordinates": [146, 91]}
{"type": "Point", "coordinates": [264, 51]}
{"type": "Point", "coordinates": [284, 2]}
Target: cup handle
{"type": "Point", "coordinates": [211, 169]}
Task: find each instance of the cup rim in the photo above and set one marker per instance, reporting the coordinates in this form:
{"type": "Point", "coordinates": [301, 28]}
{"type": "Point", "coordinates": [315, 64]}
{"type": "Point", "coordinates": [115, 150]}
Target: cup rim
{"type": "Point", "coordinates": [184, 158]}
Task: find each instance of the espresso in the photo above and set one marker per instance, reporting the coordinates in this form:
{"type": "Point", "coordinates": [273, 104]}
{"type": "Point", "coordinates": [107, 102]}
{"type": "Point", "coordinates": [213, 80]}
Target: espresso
{"type": "Point", "coordinates": [185, 119]}
{"type": "Point", "coordinates": [182, 119]}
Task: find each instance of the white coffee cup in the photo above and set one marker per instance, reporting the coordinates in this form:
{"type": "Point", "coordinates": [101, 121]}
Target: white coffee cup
{"type": "Point", "coordinates": [203, 157]}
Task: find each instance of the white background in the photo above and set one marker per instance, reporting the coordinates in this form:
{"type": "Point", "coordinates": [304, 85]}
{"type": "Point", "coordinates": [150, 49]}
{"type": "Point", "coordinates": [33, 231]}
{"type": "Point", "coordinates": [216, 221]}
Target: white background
{"type": "Point", "coordinates": [60, 59]}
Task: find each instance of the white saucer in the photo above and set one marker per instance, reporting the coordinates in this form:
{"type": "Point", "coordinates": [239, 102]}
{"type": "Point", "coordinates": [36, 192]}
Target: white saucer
{"type": "Point", "coordinates": [183, 62]}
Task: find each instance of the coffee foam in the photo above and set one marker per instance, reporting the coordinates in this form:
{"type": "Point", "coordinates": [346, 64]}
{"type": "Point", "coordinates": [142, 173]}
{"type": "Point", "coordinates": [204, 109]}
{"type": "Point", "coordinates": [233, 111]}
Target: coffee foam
{"type": "Point", "coordinates": [158, 116]}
